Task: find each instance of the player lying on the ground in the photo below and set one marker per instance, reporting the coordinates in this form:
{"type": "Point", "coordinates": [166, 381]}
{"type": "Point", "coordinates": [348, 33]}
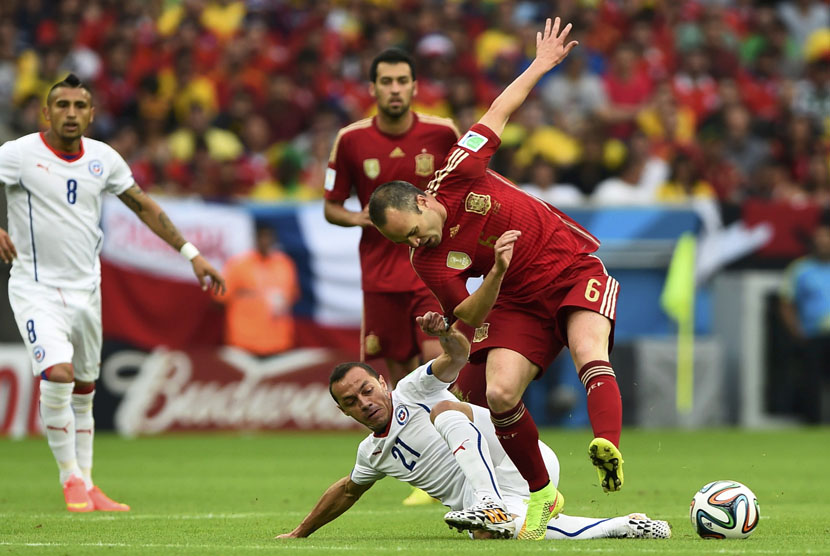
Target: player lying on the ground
{"type": "Point", "coordinates": [424, 436]}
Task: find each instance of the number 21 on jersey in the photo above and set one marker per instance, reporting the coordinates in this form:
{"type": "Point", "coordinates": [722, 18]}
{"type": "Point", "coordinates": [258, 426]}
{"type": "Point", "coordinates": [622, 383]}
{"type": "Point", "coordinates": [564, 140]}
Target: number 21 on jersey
{"type": "Point", "coordinates": [408, 460]}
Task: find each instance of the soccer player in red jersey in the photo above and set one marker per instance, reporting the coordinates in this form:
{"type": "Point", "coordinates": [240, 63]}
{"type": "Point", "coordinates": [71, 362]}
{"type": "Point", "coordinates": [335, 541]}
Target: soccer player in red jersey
{"type": "Point", "coordinates": [555, 293]}
{"type": "Point", "coordinates": [397, 143]}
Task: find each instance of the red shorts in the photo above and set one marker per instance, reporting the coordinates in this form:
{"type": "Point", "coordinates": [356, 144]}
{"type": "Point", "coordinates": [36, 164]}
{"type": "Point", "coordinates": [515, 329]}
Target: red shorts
{"type": "Point", "coordinates": [535, 326]}
{"type": "Point", "coordinates": [389, 329]}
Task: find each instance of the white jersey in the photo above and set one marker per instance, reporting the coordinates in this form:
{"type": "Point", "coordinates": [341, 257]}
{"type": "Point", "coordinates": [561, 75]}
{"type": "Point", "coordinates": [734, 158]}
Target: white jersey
{"type": "Point", "coordinates": [410, 449]}
{"type": "Point", "coordinates": [54, 208]}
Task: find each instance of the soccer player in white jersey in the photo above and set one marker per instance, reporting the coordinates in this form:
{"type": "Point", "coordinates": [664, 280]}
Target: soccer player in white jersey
{"type": "Point", "coordinates": [424, 436]}
{"type": "Point", "coordinates": [54, 182]}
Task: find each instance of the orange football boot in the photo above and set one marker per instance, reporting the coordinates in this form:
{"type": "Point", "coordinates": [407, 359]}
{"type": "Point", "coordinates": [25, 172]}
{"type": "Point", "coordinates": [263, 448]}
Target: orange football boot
{"type": "Point", "coordinates": [103, 503]}
{"type": "Point", "coordinates": [77, 499]}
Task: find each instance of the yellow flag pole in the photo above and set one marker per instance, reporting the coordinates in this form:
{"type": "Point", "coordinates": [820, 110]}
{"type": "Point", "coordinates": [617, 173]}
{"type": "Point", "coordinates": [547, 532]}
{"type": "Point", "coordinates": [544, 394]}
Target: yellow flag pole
{"type": "Point", "coordinates": [678, 301]}
{"type": "Point", "coordinates": [685, 364]}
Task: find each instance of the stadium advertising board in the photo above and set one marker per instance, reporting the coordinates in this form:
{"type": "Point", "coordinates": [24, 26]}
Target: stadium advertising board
{"type": "Point", "coordinates": [18, 393]}
{"type": "Point", "coordinates": [228, 389]}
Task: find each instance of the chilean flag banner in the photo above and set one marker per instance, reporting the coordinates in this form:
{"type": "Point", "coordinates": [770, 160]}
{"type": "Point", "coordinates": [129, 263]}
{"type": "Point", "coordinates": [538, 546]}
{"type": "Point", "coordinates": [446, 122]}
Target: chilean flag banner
{"type": "Point", "coordinates": [151, 298]}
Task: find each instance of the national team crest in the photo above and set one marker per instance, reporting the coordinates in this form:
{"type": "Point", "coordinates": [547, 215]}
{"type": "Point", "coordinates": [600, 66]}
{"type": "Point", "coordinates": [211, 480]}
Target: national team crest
{"type": "Point", "coordinates": [424, 164]}
{"type": "Point", "coordinates": [39, 353]}
{"type": "Point", "coordinates": [479, 204]}
{"type": "Point", "coordinates": [371, 167]}
{"type": "Point", "coordinates": [482, 332]}
{"type": "Point", "coordinates": [96, 168]}
{"type": "Point", "coordinates": [402, 415]}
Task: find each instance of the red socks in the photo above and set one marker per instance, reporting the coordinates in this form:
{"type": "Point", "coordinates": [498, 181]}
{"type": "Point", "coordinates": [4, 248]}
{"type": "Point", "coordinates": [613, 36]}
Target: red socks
{"type": "Point", "coordinates": [519, 437]}
{"type": "Point", "coordinates": [604, 402]}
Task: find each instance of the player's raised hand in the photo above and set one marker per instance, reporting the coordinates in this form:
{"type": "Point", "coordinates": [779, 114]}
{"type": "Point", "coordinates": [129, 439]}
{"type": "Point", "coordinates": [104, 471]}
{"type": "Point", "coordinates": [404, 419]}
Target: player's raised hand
{"type": "Point", "coordinates": [433, 323]}
{"type": "Point", "coordinates": [204, 271]}
{"type": "Point", "coordinates": [7, 249]}
{"type": "Point", "coordinates": [551, 45]}
{"type": "Point", "coordinates": [504, 249]}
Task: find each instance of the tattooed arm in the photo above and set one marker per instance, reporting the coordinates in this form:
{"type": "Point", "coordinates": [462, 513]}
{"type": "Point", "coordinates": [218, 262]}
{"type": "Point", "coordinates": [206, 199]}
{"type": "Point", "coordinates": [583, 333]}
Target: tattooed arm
{"type": "Point", "coordinates": [149, 212]}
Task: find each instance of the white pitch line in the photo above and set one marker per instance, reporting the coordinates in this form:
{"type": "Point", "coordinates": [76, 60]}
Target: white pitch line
{"type": "Point", "coordinates": [271, 547]}
{"type": "Point", "coordinates": [571, 546]}
{"type": "Point", "coordinates": [112, 516]}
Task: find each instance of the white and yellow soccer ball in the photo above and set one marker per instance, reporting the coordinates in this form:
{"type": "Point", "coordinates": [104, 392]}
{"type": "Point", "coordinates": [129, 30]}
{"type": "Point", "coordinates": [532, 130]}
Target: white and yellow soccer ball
{"type": "Point", "coordinates": [724, 510]}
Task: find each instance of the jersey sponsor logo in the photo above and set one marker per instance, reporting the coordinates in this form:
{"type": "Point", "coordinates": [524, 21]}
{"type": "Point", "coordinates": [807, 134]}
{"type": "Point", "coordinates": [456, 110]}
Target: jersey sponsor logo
{"type": "Point", "coordinates": [472, 141]}
{"type": "Point", "coordinates": [371, 167]}
{"type": "Point", "coordinates": [43, 167]}
{"type": "Point", "coordinates": [331, 173]}
{"type": "Point", "coordinates": [402, 415]}
{"type": "Point", "coordinates": [458, 260]}
{"type": "Point", "coordinates": [454, 230]}
{"type": "Point", "coordinates": [397, 152]}
{"type": "Point", "coordinates": [372, 344]}
{"type": "Point", "coordinates": [482, 332]}
{"type": "Point", "coordinates": [479, 204]}
{"type": "Point", "coordinates": [39, 353]}
{"type": "Point", "coordinates": [96, 168]}
{"type": "Point", "coordinates": [424, 164]}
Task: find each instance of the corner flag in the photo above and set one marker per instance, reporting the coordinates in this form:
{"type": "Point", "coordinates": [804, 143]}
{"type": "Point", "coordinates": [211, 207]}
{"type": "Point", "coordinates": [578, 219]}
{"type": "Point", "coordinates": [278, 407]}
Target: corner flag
{"type": "Point", "coordinates": [678, 301]}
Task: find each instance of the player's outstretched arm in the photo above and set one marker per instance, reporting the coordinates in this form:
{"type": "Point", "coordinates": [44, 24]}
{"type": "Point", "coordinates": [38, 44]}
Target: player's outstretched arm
{"type": "Point", "coordinates": [337, 214]}
{"type": "Point", "coordinates": [149, 212]}
{"type": "Point", "coordinates": [7, 249]}
{"type": "Point", "coordinates": [475, 308]}
{"type": "Point", "coordinates": [455, 345]}
{"type": "Point", "coordinates": [551, 49]}
{"type": "Point", "coordinates": [338, 498]}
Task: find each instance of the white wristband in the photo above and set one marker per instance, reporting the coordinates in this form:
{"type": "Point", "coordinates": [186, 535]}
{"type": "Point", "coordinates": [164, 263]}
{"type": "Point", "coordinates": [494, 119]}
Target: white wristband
{"type": "Point", "coordinates": [189, 251]}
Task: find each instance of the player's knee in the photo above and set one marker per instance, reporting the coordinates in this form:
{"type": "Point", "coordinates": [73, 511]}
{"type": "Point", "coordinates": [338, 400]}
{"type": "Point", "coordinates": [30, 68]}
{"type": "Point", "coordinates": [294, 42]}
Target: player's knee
{"type": "Point", "coordinates": [501, 398]}
{"type": "Point", "coordinates": [83, 387]}
{"type": "Point", "coordinates": [586, 350]}
{"type": "Point", "coordinates": [588, 334]}
{"type": "Point", "coordinates": [448, 405]}
{"type": "Point", "coordinates": [62, 372]}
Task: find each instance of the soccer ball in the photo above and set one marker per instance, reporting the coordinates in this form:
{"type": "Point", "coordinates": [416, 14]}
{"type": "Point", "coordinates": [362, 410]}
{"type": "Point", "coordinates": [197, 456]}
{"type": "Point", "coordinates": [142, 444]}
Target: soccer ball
{"type": "Point", "coordinates": [724, 510]}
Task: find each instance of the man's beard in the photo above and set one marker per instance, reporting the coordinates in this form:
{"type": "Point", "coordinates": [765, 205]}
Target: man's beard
{"type": "Point", "coordinates": [396, 113]}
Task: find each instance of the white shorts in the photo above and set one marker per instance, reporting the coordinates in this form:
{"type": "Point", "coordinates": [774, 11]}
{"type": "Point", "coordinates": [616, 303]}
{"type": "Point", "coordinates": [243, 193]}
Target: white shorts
{"type": "Point", "coordinates": [513, 487]}
{"type": "Point", "coordinates": [59, 325]}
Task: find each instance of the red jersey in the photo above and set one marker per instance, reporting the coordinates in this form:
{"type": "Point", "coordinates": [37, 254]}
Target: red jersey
{"type": "Point", "coordinates": [363, 158]}
{"type": "Point", "coordinates": [482, 205]}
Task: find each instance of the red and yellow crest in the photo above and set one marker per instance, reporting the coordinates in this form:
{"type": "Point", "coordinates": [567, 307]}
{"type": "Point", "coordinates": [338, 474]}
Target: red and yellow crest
{"type": "Point", "coordinates": [479, 204]}
{"type": "Point", "coordinates": [424, 164]}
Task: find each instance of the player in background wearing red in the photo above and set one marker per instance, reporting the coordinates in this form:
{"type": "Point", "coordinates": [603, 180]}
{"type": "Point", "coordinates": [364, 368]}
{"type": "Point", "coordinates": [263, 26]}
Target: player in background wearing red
{"type": "Point", "coordinates": [555, 292]}
{"type": "Point", "coordinates": [54, 183]}
{"type": "Point", "coordinates": [397, 143]}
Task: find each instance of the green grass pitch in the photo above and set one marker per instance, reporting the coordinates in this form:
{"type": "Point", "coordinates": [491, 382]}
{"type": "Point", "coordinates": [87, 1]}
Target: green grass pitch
{"type": "Point", "coordinates": [231, 494]}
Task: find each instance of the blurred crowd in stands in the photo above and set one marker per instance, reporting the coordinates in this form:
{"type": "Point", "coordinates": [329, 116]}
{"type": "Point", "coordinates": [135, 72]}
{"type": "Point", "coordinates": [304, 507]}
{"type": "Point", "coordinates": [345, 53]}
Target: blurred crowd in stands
{"type": "Point", "coordinates": [664, 101]}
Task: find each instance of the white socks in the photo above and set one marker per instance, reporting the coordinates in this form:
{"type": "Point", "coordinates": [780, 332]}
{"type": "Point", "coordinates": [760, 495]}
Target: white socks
{"type": "Point", "coordinates": [84, 434]}
{"type": "Point", "coordinates": [59, 422]}
{"type": "Point", "coordinates": [577, 528]}
{"type": "Point", "coordinates": [470, 451]}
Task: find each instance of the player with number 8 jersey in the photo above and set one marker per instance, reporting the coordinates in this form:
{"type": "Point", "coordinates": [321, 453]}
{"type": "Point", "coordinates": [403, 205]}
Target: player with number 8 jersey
{"type": "Point", "coordinates": [54, 183]}
{"type": "Point", "coordinates": [54, 205]}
